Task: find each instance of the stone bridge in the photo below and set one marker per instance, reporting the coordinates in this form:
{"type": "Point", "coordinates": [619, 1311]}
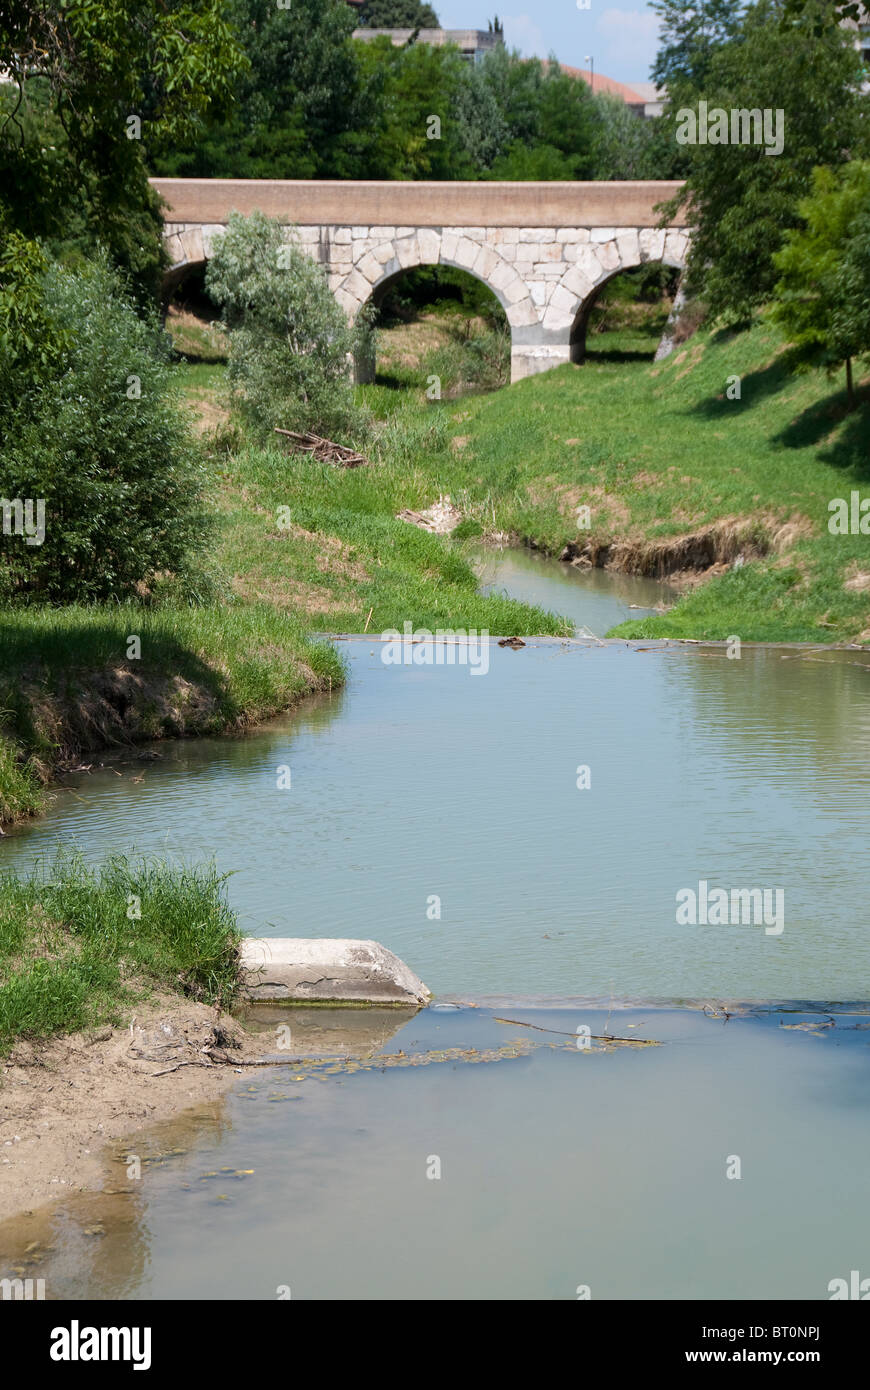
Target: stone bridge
{"type": "Point", "coordinates": [544, 249]}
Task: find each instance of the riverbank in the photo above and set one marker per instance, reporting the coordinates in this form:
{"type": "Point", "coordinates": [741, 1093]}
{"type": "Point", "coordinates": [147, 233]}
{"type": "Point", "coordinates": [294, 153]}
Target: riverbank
{"type": "Point", "coordinates": [78, 680]}
{"type": "Point", "coordinates": [648, 469]}
{"type": "Point", "coordinates": [715, 469]}
{"type": "Point", "coordinates": [79, 944]}
{"type": "Point", "coordinates": [114, 985]}
{"type": "Point", "coordinates": [64, 1099]}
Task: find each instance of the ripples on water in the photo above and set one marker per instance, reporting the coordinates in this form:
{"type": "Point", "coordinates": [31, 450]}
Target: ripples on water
{"type": "Point", "coordinates": [422, 782]}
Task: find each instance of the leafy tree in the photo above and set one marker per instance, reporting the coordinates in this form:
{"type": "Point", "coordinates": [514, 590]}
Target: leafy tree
{"type": "Point", "coordinates": [103, 80]}
{"type": "Point", "coordinates": [829, 14]}
{"type": "Point", "coordinates": [483, 127]}
{"type": "Point", "coordinates": [92, 428]}
{"type": "Point", "coordinates": [630, 147]}
{"type": "Point", "coordinates": [741, 199]}
{"type": "Point", "coordinates": [299, 95]}
{"type": "Point", "coordinates": [822, 299]}
{"type": "Point", "coordinates": [397, 14]}
{"type": "Point", "coordinates": [548, 118]}
{"type": "Point", "coordinates": [415, 84]}
{"type": "Point", "coordinates": [691, 32]}
{"type": "Point", "coordinates": [290, 343]}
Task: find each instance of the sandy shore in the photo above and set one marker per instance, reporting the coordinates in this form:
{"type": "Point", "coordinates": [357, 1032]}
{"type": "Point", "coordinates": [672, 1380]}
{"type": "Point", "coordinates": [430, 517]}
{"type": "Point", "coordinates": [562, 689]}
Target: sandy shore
{"type": "Point", "coordinates": [61, 1101]}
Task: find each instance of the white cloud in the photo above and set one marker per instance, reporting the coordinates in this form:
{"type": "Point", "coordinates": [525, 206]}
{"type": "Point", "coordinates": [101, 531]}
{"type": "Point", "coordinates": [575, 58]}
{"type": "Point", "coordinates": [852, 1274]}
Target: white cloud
{"type": "Point", "coordinates": [520, 31]}
{"type": "Point", "coordinates": [630, 37]}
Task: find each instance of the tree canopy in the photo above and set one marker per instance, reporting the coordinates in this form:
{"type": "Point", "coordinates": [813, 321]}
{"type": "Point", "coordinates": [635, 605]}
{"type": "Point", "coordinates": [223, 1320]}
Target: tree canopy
{"type": "Point", "coordinates": [397, 14]}
{"type": "Point", "coordinates": [94, 84]}
{"type": "Point", "coordinates": [744, 197]}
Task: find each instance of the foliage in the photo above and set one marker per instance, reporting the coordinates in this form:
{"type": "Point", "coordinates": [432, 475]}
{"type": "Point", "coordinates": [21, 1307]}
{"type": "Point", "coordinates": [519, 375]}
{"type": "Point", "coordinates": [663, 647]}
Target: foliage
{"type": "Point", "coordinates": [549, 118]}
{"type": "Point", "coordinates": [83, 72]}
{"type": "Point", "coordinates": [404, 88]}
{"type": "Point", "coordinates": [742, 199]}
{"type": "Point", "coordinates": [318, 105]}
{"type": "Point", "coordinates": [95, 431]}
{"type": "Point", "coordinates": [691, 32]}
{"type": "Point", "coordinates": [823, 294]}
{"type": "Point", "coordinates": [397, 14]}
{"type": "Point", "coordinates": [289, 340]}
{"type": "Point", "coordinates": [628, 146]}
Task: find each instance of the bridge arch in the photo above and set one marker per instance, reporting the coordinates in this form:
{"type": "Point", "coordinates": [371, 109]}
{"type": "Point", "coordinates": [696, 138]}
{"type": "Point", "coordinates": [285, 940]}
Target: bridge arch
{"type": "Point", "coordinates": [379, 268]}
{"type": "Point", "coordinates": [657, 247]}
{"type": "Point", "coordinates": [543, 249]}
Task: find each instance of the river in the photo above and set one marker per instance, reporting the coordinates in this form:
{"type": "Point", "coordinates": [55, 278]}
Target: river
{"type": "Point", "coordinates": [439, 812]}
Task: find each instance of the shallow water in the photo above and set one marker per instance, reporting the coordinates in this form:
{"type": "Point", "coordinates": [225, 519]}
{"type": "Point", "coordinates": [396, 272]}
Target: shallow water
{"type": "Point", "coordinates": [593, 599]}
{"type": "Point", "coordinates": [558, 1168]}
{"type": "Point", "coordinates": [424, 783]}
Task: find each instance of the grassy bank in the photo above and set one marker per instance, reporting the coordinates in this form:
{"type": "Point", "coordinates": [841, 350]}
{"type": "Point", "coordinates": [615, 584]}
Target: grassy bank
{"type": "Point", "coordinates": [677, 478]}
{"type": "Point", "coordinates": [341, 557]}
{"type": "Point", "coordinates": [68, 684]}
{"type": "Point", "coordinates": [73, 950]}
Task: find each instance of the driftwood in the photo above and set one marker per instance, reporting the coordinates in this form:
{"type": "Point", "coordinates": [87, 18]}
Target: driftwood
{"type": "Point", "coordinates": [324, 450]}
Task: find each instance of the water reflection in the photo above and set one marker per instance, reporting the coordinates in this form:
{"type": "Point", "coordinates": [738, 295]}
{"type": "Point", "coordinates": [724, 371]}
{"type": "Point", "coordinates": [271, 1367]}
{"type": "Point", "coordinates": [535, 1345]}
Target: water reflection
{"type": "Point", "coordinates": [558, 1167]}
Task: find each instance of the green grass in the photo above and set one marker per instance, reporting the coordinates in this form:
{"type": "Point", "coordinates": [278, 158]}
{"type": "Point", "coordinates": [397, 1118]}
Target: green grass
{"type": "Point", "coordinates": [344, 557]}
{"type": "Point", "coordinates": [657, 452]}
{"type": "Point", "coordinates": [70, 954]}
{"type": "Point", "coordinates": [67, 684]}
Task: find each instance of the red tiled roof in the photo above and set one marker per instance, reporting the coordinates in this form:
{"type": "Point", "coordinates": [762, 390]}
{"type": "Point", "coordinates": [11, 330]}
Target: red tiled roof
{"type": "Point", "coordinates": [600, 83]}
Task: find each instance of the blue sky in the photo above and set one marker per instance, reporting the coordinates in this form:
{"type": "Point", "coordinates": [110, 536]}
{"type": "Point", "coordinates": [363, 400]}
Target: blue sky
{"type": "Point", "coordinates": [621, 41]}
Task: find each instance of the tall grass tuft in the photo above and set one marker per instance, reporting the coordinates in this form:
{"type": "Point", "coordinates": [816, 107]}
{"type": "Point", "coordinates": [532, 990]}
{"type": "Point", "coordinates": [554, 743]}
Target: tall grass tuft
{"type": "Point", "coordinates": [76, 942]}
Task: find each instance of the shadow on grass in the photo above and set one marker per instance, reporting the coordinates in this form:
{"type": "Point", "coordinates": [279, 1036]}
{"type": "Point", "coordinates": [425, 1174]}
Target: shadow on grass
{"type": "Point", "coordinates": [617, 356]}
{"type": "Point", "coordinates": [397, 383]}
{"type": "Point", "coordinates": [196, 359]}
{"type": "Point", "coordinates": [850, 450]}
{"type": "Point", "coordinates": [101, 694]}
{"type": "Point", "coordinates": [755, 387]}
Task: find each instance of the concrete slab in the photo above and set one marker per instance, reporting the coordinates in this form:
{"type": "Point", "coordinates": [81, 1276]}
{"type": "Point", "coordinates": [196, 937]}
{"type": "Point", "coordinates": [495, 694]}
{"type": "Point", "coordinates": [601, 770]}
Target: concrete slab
{"type": "Point", "coordinates": [327, 971]}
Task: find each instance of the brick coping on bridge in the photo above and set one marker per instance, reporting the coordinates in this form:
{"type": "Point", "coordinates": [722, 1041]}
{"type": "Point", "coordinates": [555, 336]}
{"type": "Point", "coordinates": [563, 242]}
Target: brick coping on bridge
{"type": "Point", "coordinates": [391, 202]}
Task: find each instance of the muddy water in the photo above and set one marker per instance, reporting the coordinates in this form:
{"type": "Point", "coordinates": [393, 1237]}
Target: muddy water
{"type": "Point", "coordinates": [559, 1167]}
{"type": "Point", "coordinates": [421, 791]}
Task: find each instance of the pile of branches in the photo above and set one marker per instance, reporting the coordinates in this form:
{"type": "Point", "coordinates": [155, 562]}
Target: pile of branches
{"type": "Point", "coordinates": [324, 450]}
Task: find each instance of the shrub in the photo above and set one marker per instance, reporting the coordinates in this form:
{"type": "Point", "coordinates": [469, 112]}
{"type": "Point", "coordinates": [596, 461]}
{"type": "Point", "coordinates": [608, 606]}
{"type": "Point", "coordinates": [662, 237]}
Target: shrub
{"type": "Point", "coordinates": [290, 344]}
{"type": "Point", "coordinates": [94, 430]}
